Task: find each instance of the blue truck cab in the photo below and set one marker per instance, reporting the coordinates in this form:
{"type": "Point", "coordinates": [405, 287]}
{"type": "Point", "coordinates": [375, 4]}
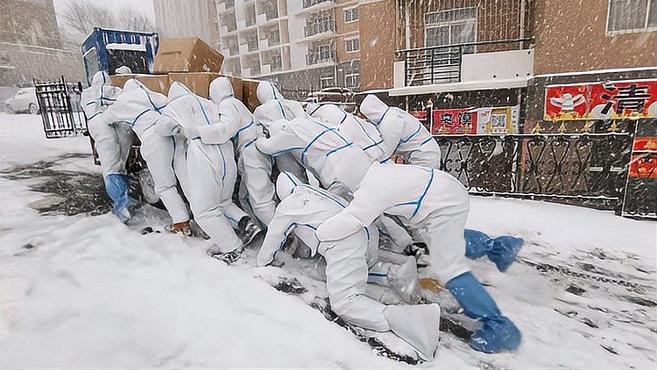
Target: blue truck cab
{"type": "Point", "coordinates": [106, 50]}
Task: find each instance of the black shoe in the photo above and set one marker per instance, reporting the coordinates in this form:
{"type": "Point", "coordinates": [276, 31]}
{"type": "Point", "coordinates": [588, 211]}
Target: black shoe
{"type": "Point", "coordinates": [229, 257]}
{"type": "Point", "coordinates": [248, 230]}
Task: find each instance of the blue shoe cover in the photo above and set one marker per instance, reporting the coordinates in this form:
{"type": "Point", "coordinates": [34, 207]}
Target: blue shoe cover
{"type": "Point", "coordinates": [497, 332]}
{"type": "Point", "coordinates": [477, 244]}
{"type": "Point", "coordinates": [116, 187]}
{"type": "Point", "coordinates": [505, 250]}
{"type": "Point", "coordinates": [498, 335]}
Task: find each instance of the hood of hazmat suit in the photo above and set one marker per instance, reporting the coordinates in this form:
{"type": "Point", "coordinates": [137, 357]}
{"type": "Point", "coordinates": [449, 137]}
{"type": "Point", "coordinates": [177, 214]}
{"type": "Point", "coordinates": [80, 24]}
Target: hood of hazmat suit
{"type": "Point", "coordinates": [373, 108]}
{"type": "Point", "coordinates": [285, 184]}
{"type": "Point", "coordinates": [221, 89]}
{"type": "Point", "coordinates": [138, 106]}
{"type": "Point", "coordinates": [123, 70]}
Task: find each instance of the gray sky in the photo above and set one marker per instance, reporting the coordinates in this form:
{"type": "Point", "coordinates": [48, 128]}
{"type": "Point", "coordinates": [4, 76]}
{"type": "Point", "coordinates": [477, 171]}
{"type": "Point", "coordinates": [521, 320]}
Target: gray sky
{"type": "Point", "coordinates": [143, 6]}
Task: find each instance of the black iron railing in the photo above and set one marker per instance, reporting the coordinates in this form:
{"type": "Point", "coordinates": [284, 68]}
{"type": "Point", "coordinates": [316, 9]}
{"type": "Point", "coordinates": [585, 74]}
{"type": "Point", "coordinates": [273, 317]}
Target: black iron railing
{"type": "Point", "coordinates": [315, 57]}
{"type": "Point", "coordinates": [61, 111]}
{"type": "Point", "coordinates": [442, 64]}
{"type": "Point", "coordinates": [312, 29]}
{"type": "Point", "coordinates": [585, 169]}
{"type": "Point", "coordinates": [309, 3]}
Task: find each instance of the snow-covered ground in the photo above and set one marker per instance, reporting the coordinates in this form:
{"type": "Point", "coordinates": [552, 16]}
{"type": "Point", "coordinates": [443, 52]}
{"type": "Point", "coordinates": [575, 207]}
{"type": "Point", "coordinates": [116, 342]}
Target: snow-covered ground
{"type": "Point", "coordinates": [86, 291]}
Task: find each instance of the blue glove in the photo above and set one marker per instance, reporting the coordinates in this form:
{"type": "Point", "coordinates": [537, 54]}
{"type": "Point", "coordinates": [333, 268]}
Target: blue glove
{"type": "Point", "coordinates": [497, 333]}
{"type": "Point", "coordinates": [502, 250]}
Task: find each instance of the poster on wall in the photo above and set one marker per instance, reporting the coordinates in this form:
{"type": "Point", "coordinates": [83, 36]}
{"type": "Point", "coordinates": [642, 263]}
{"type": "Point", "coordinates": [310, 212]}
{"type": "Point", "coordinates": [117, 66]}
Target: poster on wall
{"type": "Point", "coordinates": [454, 121]}
{"type": "Point", "coordinates": [471, 121]}
{"type": "Point", "coordinates": [503, 120]}
{"type": "Point", "coordinates": [603, 100]}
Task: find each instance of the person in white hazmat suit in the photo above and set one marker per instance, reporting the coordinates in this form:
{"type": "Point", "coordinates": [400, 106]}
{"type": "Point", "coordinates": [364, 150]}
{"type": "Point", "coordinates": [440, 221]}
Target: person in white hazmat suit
{"type": "Point", "coordinates": [360, 132]}
{"type": "Point", "coordinates": [112, 141]}
{"type": "Point", "coordinates": [405, 135]}
{"type": "Point", "coordinates": [329, 156]}
{"type": "Point", "coordinates": [254, 166]}
{"type": "Point", "coordinates": [435, 205]}
{"type": "Point", "coordinates": [402, 133]}
{"type": "Point", "coordinates": [141, 109]}
{"type": "Point", "coordinates": [274, 107]}
{"type": "Point", "coordinates": [302, 209]}
{"type": "Point", "coordinates": [212, 172]}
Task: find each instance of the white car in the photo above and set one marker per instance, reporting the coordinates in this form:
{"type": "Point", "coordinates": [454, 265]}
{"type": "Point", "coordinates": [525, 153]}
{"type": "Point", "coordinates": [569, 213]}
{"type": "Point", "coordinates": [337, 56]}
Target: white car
{"type": "Point", "coordinates": [25, 100]}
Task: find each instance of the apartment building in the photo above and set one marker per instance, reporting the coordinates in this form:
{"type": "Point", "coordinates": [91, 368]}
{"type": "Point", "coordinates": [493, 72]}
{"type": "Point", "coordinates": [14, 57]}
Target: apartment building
{"type": "Point", "coordinates": [191, 18]}
{"type": "Point", "coordinates": [303, 45]}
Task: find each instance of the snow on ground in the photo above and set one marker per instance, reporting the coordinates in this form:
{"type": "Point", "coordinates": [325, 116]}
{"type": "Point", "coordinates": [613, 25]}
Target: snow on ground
{"type": "Point", "coordinates": [87, 291]}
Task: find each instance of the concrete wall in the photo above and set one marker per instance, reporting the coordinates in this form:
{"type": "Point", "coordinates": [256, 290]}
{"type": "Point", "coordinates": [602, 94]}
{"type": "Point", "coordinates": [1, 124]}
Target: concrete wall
{"type": "Point", "coordinates": [30, 22]}
{"type": "Point", "coordinates": [28, 62]}
{"type": "Point", "coordinates": [570, 36]}
{"type": "Point", "coordinates": [193, 18]}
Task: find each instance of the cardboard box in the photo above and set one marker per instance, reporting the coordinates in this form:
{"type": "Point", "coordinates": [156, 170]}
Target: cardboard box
{"type": "Point", "coordinates": [157, 83]}
{"type": "Point", "coordinates": [199, 82]}
{"type": "Point", "coordinates": [187, 55]}
{"type": "Point", "coordinates": [249, 95]}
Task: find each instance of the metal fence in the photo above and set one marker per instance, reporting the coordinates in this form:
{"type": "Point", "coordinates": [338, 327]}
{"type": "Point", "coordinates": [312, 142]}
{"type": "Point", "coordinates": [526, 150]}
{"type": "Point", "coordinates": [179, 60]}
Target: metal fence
{"type": "Point", "coordinates": [585, 169]}
{"type": "Point", "coordinates": [61, 112]}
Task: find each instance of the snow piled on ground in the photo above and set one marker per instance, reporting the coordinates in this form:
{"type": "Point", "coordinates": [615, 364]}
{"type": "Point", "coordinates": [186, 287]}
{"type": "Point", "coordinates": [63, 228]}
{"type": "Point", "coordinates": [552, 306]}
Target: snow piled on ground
{"type": "Point", "coordinates": [89, 292]}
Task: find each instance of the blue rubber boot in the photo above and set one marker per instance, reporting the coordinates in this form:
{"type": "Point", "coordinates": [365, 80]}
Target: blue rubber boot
{"type": "Point", "coordinates": [505, 250]}
{"type": "Point", "coordinates": [502, 251]}
{"type": "Point", "coordinates": [477, 244]}
{"type": "Point", "coordinates": [497, 333]}
{"type": "Point", "coordinates": [116, 187]}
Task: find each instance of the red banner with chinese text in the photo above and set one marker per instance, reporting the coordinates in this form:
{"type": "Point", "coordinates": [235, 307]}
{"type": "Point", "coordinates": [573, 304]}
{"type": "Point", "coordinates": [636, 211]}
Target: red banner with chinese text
{"type": "Point", "coordinates": [454, 121]}
{"type": "Point", "coordinates": [604, 100]}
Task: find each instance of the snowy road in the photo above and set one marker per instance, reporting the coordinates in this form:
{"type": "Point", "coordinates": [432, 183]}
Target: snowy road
{"type": "Point", "coordinates": [81, 290]}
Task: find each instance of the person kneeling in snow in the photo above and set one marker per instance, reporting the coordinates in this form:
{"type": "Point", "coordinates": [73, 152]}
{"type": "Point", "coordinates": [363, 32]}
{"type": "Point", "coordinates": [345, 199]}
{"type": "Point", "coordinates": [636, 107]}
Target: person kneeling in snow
{"type": "Point", "coordinates": [436, 206]}
{"type": "Point", "coordinates": [302, 210]}
{"type": "Point", "coordinates": [112, 140]}
{"type": "Point", "coordinates": [141, 109]}
{"type": "Point", "coordinates": [212, 172]}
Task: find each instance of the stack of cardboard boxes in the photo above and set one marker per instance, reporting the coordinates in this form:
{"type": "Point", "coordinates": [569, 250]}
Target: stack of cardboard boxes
{"type": "Point", "coordinates": [193, 63]}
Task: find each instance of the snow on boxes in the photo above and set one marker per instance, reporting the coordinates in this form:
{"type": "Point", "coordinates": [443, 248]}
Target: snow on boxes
{"type": "Point", "coordinates": [193, 63]}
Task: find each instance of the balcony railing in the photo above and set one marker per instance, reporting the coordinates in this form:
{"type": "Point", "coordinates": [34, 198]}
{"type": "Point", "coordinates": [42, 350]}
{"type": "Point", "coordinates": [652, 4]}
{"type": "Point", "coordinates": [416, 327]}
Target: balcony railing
{"type": "Point", "coordinates": [309, 3]}
{"type": "Point", "coordinates": [315, 57]}
{"type": "Point", "coordinates": [444, 64]}
{"type": "Point", "coordinates": [312, 29]}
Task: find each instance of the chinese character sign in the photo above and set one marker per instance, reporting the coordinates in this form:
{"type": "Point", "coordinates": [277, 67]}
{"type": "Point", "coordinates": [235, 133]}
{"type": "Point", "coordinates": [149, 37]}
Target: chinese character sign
{"type": "Point", "coordinates": [608, 100]}
{"type": "Point", "coordinates": [454, 121]}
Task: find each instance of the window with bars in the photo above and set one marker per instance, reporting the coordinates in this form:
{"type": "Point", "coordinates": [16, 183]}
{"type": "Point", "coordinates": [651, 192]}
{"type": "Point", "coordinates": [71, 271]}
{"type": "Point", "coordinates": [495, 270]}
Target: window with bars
{"type": "Point", "coordinates": [453, 26]}
{"type": "Point", "coordinates": [631, 15]}
{"type": "Point", "coordinates": [326, 82]}
{"type": "Point", "coordinates": [350, 15]}
{"type": "Point", "coordinates": [352, 45]}
{"type": "Point", "coordinates": [352, 79]}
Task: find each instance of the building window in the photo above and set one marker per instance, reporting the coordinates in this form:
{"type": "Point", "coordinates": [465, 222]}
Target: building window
{"type": "Point", "coordinates": [352, 79]}
{"type": "Point", "coordinates": [326, 82]}
{"type": "Point", "coordinates": [449, 27]}
{"type": "Point", "coordinates": [631, 15]}
{"type": "Point", "coordinates": [352, 45]}
{"type": "Point", "coordinates": [350, 15]}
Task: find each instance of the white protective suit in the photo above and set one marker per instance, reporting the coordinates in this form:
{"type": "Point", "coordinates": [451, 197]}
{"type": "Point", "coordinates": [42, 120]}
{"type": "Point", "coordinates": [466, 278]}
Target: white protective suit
{"type": "Point", "coordinates": [255, 167]}
{"type": "Point", "coordinates": [402, 133]}
{"type": "Point", "coordinates": [322, 150]}
{"type": "Point", "coordinates": [210, 165]}
{"type": "Point", "coordinates": [273, 108]}
{"type": "Point", "coordinates": [302, 209]}
{"type": "Point", "coordinates": [114, 140]}
{"type": "Point", "coordinates": [362, 133]}
{"type": "Point", "coordinates": [140, 108]}
{"type": "Point", "coordinates": [431, 202]}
